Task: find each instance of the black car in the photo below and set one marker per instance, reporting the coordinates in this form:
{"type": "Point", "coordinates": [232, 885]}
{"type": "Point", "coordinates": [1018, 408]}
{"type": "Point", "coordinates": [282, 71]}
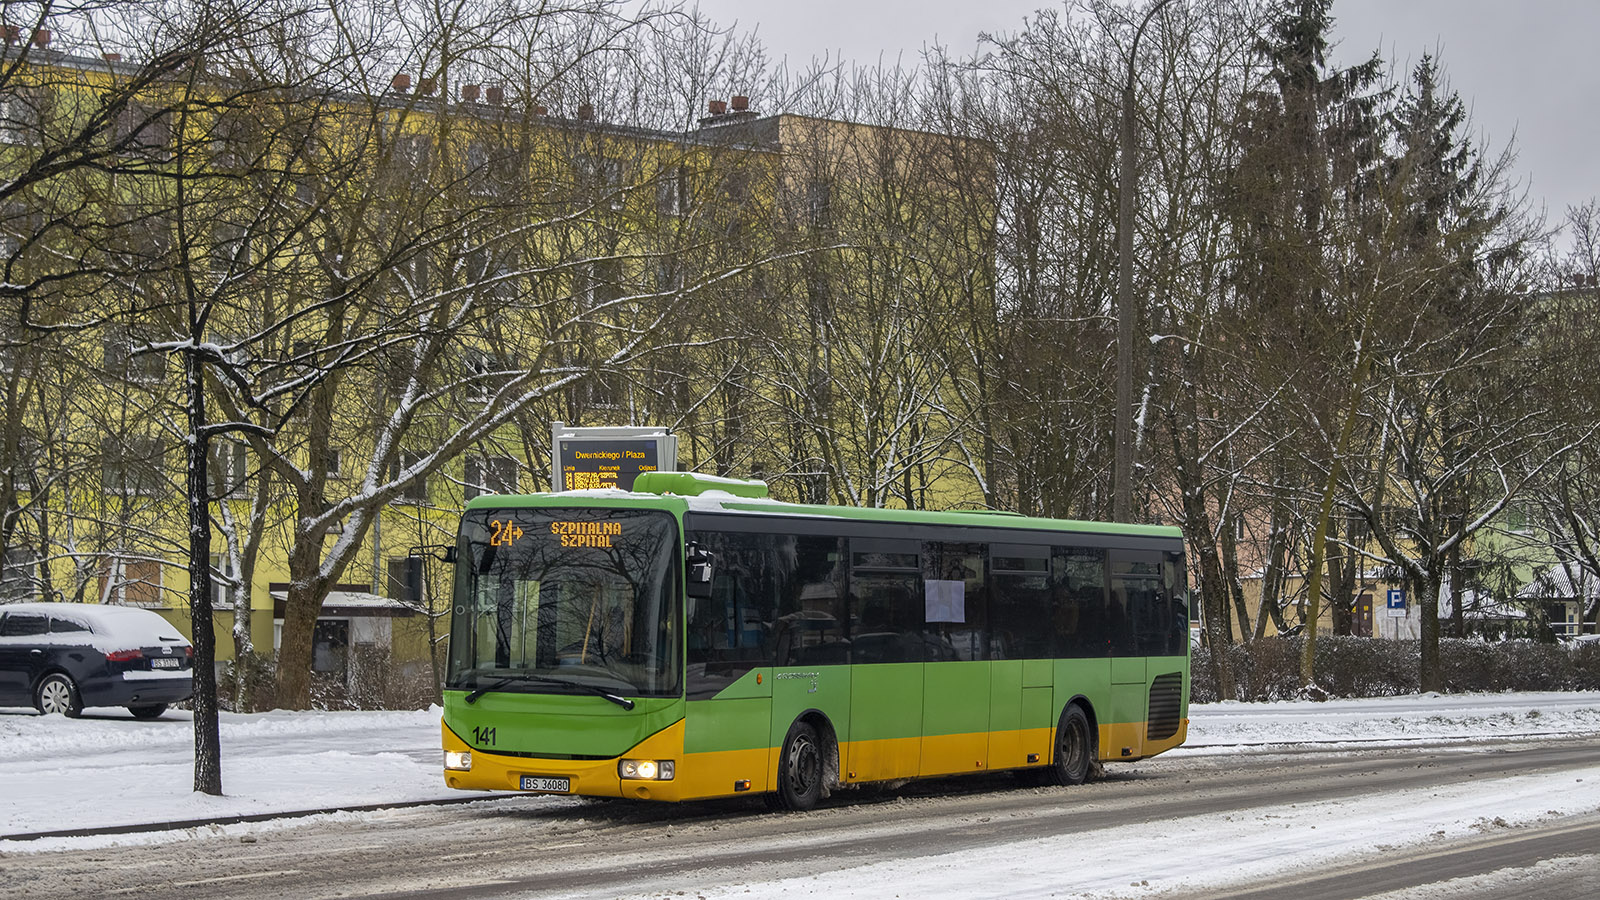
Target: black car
{"type": "Point", "coordinates": [62, 657]}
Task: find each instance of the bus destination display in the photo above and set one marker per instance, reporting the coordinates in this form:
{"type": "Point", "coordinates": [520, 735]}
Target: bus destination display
{"type": "Point", "coordinates": [594, 464]}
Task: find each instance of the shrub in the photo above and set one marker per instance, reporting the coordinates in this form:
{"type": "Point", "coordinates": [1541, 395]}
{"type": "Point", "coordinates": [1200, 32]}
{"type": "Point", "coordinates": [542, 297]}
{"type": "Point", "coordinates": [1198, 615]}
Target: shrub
{"type": "Point", "coordinates": [1269, 668]}
{"type": "Point", "coordinates": [373, 681]}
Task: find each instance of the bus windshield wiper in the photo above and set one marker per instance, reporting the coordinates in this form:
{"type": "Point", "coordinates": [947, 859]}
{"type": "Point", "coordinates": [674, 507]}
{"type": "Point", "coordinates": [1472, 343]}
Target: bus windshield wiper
{"type": "Point", "coordinates": [493, 686]}
{"type": "Point", "coordinates": [496, 685]}
{"type": "Point", "coordinates": [598, 691]}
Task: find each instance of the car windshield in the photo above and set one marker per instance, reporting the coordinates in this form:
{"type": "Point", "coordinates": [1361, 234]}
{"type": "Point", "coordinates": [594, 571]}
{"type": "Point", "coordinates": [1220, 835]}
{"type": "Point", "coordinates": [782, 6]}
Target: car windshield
{"type": "Point", "coordinates": [566, 601]}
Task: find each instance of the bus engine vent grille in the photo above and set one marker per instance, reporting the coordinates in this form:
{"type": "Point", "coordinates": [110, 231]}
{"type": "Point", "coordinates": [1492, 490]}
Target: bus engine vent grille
{"type": "Point", "coordinates": [1166, 701]}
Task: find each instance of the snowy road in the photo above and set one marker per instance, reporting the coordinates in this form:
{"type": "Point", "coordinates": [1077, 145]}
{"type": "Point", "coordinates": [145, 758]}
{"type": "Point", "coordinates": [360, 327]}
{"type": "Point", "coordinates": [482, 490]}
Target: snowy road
{"type": "Point", "coordinates": [1340, 824]}
{"type": "Point", "coordinates": [1454, 797]}
{"type": "Point", "coordinates": [1479, 796]}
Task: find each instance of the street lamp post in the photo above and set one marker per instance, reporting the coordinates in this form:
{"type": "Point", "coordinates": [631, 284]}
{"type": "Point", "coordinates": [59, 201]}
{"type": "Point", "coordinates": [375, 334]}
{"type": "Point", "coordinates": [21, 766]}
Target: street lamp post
{"type": "Point", "coordinates": [1122, 462]}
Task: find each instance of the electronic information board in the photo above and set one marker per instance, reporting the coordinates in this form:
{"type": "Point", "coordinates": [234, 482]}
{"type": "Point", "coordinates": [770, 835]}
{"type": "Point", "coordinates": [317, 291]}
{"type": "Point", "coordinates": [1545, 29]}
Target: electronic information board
{"type": "Point", "coordinates": [611, 457]}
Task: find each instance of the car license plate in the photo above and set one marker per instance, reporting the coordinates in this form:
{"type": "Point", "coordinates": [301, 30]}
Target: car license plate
{"type": "Point", "coordinates": [164, 663]}
{"type": "Point", "coordinates": [548, 785]}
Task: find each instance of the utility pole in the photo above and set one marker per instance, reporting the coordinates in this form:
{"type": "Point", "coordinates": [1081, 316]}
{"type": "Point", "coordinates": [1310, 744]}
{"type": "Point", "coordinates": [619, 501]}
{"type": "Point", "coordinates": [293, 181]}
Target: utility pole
{"type": "Point", "coordinates": [1122, 463]}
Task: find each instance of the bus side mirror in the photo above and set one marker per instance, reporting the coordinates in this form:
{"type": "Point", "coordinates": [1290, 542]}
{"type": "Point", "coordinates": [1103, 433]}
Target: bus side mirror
{"type": "Point", "coordinates": [697, 576]}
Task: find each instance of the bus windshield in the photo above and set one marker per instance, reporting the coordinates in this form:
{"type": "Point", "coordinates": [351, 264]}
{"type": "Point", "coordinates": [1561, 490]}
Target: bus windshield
{"type": "Point", "coordinates": [566, 601]}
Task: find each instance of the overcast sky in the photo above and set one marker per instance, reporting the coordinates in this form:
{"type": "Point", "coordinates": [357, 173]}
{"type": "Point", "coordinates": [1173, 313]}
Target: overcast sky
{"type": "Point", "coordinates": [1528, 69]}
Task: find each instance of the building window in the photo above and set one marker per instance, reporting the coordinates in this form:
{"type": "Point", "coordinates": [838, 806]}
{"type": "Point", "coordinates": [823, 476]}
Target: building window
{"type": "Point", "coordinates": [600, 179]}
{"type": "Point", "coordinates": [23, 469]}
{"type": "Point", "coordinates": [134, 465]}
{"type": "Point", "coordinates": [18, 575]}
{"type": "Point", "coordinates": [335, 463]}
{"type": "Point", "coordinates": [233, 137]}
{"type": "Point", "coordinates": [491, 166]}
{"type": "Point", "coordinates": [672, 192]}
{"type": "Point", "coordinates": [229, 463]}
{"type": "Point", "coordinates": [601, 282]}
{"type": "Point", "coordinates": [223, 577]}
{"type": "Point", "coordinates": [819, 203]}
{"type": "Point", "coordinates": [490, 475]}
{"type": "Point", "coordinates": [230, 249]}
{"type": "Point", "coordinates": [405, 580]}
{"type": "Point", "coordinates": [131, 582]}
{"type": "Point", "coordinates": [417, 490]}
{"type": "Point", "coordinates": [128, 356]}
{"type": "Point", "coordinates": [413, 150]}
{"type": "Point", "coordinates": [141, 130]}
{"type": "Point", "coordinates": [22, 115]}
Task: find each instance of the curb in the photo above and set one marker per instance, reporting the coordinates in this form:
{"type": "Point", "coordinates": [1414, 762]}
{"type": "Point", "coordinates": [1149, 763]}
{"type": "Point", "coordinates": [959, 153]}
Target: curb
{"type": "Point", "coordinates": [236, 820]}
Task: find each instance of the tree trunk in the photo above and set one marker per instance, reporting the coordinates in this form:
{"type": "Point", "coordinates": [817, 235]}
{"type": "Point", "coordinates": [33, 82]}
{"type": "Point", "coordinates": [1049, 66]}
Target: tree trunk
{"type": "Point", "coordinates": [207, 740]}
{"type": "Point", "coordinates": [1431, 677]}
{"type": "Point", "coordinates": [307, 589]}
{"type": "Point", "coordinates": [1230, 574]}
{"type": "Point", "coordinates": [1341, 584]}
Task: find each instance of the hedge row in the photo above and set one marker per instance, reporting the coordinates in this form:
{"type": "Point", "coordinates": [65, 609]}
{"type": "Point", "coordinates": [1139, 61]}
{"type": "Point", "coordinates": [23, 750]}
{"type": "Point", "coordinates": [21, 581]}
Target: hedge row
{"type": "Point", "coordinates": [1269, 669]}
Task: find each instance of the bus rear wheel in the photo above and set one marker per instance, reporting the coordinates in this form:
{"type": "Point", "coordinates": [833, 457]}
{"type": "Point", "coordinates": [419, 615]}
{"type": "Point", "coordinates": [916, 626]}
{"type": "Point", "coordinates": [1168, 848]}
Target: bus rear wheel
{"type": "Point", "coordinates": [800, 768]}
{"type": "Point", "coordinates": [1075, 747]}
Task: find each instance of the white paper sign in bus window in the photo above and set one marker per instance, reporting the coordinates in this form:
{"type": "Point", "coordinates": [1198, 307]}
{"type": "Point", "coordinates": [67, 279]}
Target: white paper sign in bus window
{"type": "Point", "coordinates": [946, 601]}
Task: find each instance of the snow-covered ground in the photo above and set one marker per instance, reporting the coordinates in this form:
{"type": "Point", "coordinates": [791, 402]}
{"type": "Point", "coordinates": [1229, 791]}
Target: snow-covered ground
{"type": "Point", "coordinates": [110, 770]}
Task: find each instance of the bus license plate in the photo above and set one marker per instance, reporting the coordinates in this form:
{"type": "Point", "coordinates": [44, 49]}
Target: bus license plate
{"type": "Point", "coordinates": [548, 785]}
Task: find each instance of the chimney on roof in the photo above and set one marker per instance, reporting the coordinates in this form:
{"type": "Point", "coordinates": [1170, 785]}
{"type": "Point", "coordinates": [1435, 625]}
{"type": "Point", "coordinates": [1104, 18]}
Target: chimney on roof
{"type": "Point", "coordinates": [497, 94]}
{"type": "Point", "coordinates": [469, 93]}
{"type": "Point", "coordinates": [718, 107]}
{"type": "Point", "coordinates": [541, 110]}
{"type": "Point", "coordinates": [111, 57]}
{"type": "Point", "coordinates": [586, 111]}
{"type": "Point", "coordinates": [741, 103]}
{"type": "Point", "coordinates": [13, 33]}
{"type": "Point", "coordinates": [426, 87]}
{"type": "Point", "coordinates": [400, 83]}
{"type": "Point", "coordinates": [41, 37]}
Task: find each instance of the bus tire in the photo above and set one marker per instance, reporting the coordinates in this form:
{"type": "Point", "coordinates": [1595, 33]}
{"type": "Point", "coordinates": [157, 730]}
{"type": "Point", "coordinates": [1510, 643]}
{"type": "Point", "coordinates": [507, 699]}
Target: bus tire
{"type": "Point", "coordinates": [1074, 751]}
{"type": "Point", "coordinates": [800, 768]}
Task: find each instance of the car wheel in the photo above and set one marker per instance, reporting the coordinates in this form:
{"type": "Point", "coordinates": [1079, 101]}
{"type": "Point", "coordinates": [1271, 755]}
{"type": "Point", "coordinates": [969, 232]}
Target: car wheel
{"type": "Point", "coordinates": [56, 694]}
{"type": "Point", "coordinates": [800, 768]}
{"type": "Point", "coordinates": [1075, 747]}
{"type": "Point", "coordinates": [151, 711]}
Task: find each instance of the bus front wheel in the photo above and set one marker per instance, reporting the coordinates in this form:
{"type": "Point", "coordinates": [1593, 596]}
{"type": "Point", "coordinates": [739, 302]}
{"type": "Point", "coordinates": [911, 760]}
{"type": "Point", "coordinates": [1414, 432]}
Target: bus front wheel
{"type": "Point", "coordinates": [800, 768]}
{"type": "Point", "coordinates": [1075, 747]}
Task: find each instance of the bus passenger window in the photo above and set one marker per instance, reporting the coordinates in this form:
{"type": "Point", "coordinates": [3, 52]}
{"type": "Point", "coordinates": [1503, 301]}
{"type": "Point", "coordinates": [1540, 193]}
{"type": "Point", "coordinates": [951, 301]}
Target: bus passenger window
{"type": "Point", "coordinates": [886, 601]}
{"type": "Point", "coordinates": [1078, 602]}
{"type": "Point", "coordinates": [1020, 616]}
{"type": "Point", "coordinates": [1137, 587]}
{"type": "Point", "coordinates": [812, 604]}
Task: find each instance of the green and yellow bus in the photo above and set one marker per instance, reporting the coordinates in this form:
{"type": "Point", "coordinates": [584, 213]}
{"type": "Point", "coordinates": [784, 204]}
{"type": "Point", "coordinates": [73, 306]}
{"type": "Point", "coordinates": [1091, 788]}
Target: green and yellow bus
{"type": "Point", "coordinates": [692, 639]}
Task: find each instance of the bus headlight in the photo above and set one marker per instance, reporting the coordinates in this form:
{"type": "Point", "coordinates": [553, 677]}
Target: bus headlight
{"type": "Point", "coordinates": [458, 760]}
{"type": "Point", "coordinates": [645, 769]}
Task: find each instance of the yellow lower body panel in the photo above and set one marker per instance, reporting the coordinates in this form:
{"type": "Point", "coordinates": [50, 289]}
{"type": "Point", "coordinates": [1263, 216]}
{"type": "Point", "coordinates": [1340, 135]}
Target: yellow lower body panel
{"type": "Point", "coordinates": [1127, 741]}
{"type": "Point", "coordinates": [731, 772]}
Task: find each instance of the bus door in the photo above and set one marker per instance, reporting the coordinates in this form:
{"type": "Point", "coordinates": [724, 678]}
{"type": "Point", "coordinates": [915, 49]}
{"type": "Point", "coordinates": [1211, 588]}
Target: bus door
{"type": "Point", "coordinates": [887, 649]}
{"type": "Point", "coordinates": [1133, 615]}
{"type": "Point", "coordinates": [811, 646]}
{"type": "Point", "coordinates": [729, 687]}
{"type": "Point", "coordinates": [956, 676]}
{"type": "Point", "coordinates": [1023, 627]}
